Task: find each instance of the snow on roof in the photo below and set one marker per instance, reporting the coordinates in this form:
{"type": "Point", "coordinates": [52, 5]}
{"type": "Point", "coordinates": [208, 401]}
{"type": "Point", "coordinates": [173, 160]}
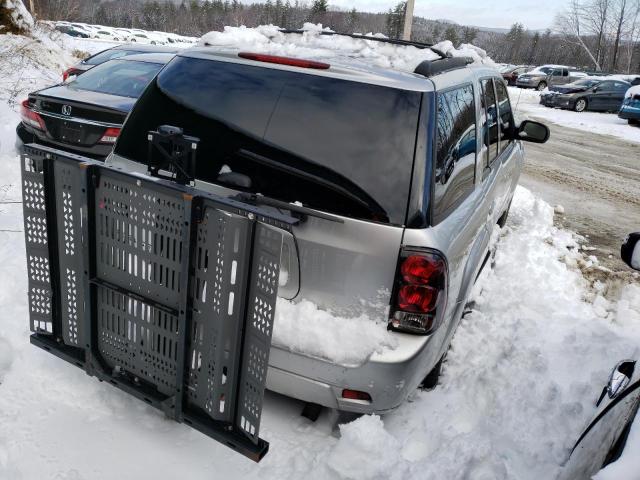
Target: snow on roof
{"type": "Point", "coordinates": [311, 44]}
{"type": "Point", "coordinates": [633, 91]}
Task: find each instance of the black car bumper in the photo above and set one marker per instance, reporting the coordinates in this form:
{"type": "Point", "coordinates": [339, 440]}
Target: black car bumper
{"type": "Point", "coordinates": [25, 135]}
{"type": "Point", "coordinates": [556, 101]}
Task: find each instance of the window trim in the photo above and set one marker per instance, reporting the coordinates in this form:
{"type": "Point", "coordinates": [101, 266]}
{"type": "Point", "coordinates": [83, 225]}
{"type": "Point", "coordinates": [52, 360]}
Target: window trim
{"type": "Point", "coordinates": [488, 165]}
{"type": "Point", "coordinates": [509, 143]}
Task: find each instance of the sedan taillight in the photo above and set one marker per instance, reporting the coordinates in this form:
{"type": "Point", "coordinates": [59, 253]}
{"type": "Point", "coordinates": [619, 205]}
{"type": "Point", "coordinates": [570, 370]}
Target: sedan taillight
{"type": "Point", "coordinates": [110, 135]}
{"type": "Point", "coordinates": [29, 117]}
{"type": "Point", "coordinates": [69, 72]}
{"type": "Point", "coordinates": [420, 292]}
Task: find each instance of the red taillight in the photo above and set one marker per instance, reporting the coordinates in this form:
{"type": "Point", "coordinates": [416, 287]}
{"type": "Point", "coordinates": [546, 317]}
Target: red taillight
{"type": "Point", "coordinates": [417, 298]}
{"type": "Point", "coordinates": [110, 135]}
{"type": "Point", "coordinates": [420, 269]}
{"type": "Point", "coordinates": [69, 72]}
{"type": "Point", "coordinates": [355, 395]}
{"type": "Point", "coordinates": [29, 117]}
{"type": "Point", "coordinates": [419, 292]}
{"type": "Point", "coordinates": [292, 62]}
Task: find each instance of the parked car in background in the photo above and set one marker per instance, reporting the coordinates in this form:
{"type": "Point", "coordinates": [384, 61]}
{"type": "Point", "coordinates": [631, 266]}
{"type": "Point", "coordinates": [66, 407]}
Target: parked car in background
{"type": "Point", "coordinates": [111, 54]}
{"type": "Point", "coordinates": [72, 31]}
{"type": "Point", "coordinates": [512, 73]}
{"type": "Point", "coordinates": [630, 109]}
{"type": "Point", "coordinates": [588, 94]}
{"type": "Point", "coordinates": [422, 211]}
{"type": "Point", "coordinates": [545, 75]}
{"type": "Point", "coordinates": [85, 115]}
{"type": "Point", "coordinates": [107, 35]}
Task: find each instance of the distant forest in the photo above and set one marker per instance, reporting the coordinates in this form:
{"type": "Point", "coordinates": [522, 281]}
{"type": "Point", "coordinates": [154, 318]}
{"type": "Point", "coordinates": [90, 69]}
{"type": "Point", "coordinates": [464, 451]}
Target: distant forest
{"type": "Point", "coordinates": [599, 35]}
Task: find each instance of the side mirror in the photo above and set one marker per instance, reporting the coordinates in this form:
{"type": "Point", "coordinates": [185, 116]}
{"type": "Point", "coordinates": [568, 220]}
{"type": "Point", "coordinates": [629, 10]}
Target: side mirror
{"type": "Point", "coordinates": [630, 251]}
{"type": "Point", "coordinates": [618, 380]}
{"type": "Point", "coordinates": [535, 132]}
{"type": "Point", "coordinates": [595, 89]}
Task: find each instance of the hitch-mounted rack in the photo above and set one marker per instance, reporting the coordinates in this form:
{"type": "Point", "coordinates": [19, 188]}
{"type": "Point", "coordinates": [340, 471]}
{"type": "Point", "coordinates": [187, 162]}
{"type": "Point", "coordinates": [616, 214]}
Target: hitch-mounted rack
{"type": "Point", "coordinates": [162, 290]}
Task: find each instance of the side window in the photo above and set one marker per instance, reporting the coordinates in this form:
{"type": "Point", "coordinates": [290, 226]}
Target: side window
{"type": "Point", "coordinates": [605, 86]}
{"type": "Point", "coordinates": [620, 87]}
{"type": "Point", "coordinates": [490, 120]}
{"type": "Point", "coordinates": [505, 115]}
{"type": "Point", "coordinates": [565, 72]}
{"type": "Point", "coordinates": [455, 150]}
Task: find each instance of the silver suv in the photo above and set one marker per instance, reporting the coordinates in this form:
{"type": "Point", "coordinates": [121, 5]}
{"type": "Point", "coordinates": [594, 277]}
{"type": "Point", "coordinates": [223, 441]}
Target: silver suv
{"type": "Point", "coordinates": [400, 179]}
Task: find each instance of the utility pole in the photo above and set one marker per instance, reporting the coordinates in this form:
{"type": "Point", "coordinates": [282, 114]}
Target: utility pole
{"type": "Point", "coordinates": [408, 20]}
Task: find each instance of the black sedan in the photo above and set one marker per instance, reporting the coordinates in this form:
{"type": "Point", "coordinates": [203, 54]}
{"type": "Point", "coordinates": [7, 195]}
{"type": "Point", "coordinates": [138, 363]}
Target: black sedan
{"type": "Point", "coordinates": [85, 115]}
{"type": "Point", "coordinates": [113, 53]}
{"type": "Point", "coordinates": [587, 94]}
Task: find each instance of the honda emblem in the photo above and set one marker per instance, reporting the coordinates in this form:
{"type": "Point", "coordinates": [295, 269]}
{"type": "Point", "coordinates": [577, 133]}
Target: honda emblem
{"type": "Point", "coordinates": [66, 110]}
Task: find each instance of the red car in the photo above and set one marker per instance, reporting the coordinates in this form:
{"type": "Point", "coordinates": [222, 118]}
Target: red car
{"type": "Point", "coordinates": [511, 74]}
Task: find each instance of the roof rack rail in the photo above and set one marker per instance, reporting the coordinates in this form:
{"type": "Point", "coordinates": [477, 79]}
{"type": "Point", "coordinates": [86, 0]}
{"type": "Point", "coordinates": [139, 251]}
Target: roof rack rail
{"type": "Point", "coordinates": [429, 68]}
{"type": "Point", "coordinates": [365, 37]}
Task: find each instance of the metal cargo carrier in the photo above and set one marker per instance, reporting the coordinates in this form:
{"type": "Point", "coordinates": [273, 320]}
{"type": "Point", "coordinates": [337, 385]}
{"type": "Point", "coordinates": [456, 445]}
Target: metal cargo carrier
{"type": "Point", "coordinates": [164, 291]}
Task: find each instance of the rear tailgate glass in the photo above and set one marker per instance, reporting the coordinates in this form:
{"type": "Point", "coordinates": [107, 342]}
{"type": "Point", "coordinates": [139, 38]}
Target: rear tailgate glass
{"type": "Point", "coordinates": [263, 122]}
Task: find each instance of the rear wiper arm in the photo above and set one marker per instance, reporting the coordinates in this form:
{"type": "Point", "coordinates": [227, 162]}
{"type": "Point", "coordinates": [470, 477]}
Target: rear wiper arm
{"type": "Point", "coordinates": [367, 203]}
{"type": "Point", "coordinates": [258, 199]}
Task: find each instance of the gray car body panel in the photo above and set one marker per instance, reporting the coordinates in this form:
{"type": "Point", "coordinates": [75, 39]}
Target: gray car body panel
{"type": "Point", "coordinates": [343, 266]}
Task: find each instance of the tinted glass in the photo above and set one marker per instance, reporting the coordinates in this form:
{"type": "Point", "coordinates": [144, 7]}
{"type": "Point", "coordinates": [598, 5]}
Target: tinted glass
{"type": "Point", "coordinates": [586, 82]}
{"type": "Point", "coordinates": [505, 115]}
{"type": "Point", "coordinates": [490, 122]}
{"type": "Point", "coordinates": [621, 86]}
{"type": "Point", "coordinates": [334, 145]}
{"type": "Point", "coordinates": [110, 54]}
{"type": "Point", "coordinates": [455, 149]}
{"type": "Point", "coordinates": [117, 77]}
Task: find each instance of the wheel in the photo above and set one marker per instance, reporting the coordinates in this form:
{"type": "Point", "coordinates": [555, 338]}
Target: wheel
{"type": "Point", "coordinates": [541, 86]}
{"type": "Point", "coordinates": [503, 218]}
{"type": "Point", "coordinates": [580, 105]}
{"type": "Point", "coordinates": [431, 380]}
{"type": "Point", "coordinates": [634, 121]}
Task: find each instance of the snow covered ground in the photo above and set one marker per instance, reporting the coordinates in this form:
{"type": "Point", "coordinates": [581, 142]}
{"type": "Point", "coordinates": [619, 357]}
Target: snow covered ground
{"type": "Point", "coordinates": [520, 382]}
{"type": "Point", "coordinates": [527, 103]}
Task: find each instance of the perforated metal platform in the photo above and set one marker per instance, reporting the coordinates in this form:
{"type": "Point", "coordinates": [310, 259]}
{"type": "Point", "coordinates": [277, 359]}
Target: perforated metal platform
{"type": "Point", "coordinates": [165, 291]}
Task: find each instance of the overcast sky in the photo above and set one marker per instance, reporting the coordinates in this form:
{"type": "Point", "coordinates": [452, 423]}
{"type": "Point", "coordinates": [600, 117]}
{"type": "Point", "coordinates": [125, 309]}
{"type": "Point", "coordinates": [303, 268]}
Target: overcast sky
{"type": "Point", "coordinates": [534, 14]}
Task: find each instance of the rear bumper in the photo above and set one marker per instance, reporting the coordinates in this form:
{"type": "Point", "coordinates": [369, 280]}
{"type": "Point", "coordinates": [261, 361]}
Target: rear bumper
{"type": "Point", "coordinates": [555, 101]}
{"type": "Point", "coordinates": [629, 113]}
{"type": "Point", "coordinates": [388, 377]}
{"type": "Point", "coordinates": [25, 134]}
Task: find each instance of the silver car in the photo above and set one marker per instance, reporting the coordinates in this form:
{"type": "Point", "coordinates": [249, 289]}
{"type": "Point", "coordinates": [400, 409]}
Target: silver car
{"type": "Point", "coordinates": [402, 176]}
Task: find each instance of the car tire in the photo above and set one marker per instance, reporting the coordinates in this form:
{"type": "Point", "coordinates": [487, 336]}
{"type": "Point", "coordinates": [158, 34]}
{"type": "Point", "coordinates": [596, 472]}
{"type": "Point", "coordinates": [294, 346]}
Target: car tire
{"type": "Point", "coordinates": [633, 121]}
{"type": "Point", "coordinates": [580, 105]}
{"type": "Point", "coordinates": [502, 221]}
{"type": "Point", "coordinates": [431, 380]}
{"type": "Point", "coordinates": [541, 86]}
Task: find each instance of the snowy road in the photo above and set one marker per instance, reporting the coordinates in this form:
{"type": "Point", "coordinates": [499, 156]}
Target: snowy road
{"type": "Point", "coordinates": [596, 178]}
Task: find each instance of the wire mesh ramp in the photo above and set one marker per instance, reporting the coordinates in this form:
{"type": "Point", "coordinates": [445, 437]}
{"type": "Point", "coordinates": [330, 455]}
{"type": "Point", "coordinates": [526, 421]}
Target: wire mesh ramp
{"type": "Point", "coordinates": [162, 290]}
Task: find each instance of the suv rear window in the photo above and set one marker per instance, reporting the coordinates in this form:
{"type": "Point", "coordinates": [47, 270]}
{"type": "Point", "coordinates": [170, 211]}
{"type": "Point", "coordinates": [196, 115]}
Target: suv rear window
{"type": "Point", "coordinates": [332, 144]}
{"type": "Point", "coordinates": [118, 77]}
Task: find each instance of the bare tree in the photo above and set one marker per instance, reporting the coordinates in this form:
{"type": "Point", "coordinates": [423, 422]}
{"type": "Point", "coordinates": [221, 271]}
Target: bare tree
{"type": "Point", "coordinates": [621, 11]}
{"type": "Point", "coordinates": [596, 15]}
{"type": "Point", "coordinates": [571, 25]}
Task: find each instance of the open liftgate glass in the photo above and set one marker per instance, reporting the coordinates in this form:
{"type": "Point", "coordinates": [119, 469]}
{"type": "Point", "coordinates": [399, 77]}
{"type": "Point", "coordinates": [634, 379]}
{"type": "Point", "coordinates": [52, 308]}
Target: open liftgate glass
{"type": "Point", "coordinates": [165, 291]}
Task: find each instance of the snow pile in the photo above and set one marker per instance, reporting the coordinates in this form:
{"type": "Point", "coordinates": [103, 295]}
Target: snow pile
{"type": "Point", "coordinates": [302, 327]}
{"type": "Point", "coordinates": [633, 91]}
{"type": "Point", "coordinates": [14, 17]}
{"type": "Point", "coordinates": [312, 44]}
